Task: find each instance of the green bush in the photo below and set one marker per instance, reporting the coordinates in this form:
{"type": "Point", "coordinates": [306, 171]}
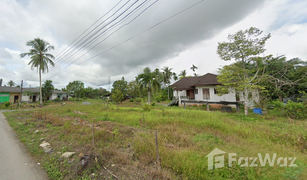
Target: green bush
{"type": "Point", "coordinates": [153, 104]}
{"type": "Point", "coordinates": [57, 99]}
{"type": "Point", "coordinates": [131, 100]}
{"type": "Point", "coordinates": [138, 99]}
{"type": "Point", "coordinates": [295, 110]}
{"type": "Point", "coordinates": [146, 107]}
{"type": "Point", "coordinates": [7, 104]}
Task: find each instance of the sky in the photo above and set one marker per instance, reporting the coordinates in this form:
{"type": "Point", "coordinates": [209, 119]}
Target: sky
{"type": "Point", "coordinates": [98, 40]}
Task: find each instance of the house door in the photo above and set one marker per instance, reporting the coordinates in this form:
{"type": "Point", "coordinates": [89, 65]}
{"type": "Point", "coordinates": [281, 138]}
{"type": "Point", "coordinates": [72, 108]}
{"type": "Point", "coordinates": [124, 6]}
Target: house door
{"type": "Point", "coordinates": [34, 99]}
{"type": "Point", "coordinates": [191, 94]}
{"type": "Point", "coordinates": [206, 93]}
{"type": "Point", "coordinates": [16, 99]}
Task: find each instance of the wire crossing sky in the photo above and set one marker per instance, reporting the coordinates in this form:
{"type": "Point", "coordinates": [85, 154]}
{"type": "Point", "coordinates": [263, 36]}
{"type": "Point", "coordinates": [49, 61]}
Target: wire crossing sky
{"type": "Point", "coordinates": [95, 39]}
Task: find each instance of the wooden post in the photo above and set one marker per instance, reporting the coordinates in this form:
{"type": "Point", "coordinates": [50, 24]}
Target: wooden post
{"type": "Point", "coordinates": [157, 148]}
{"type": "Point", "coordinates": [207, 106]}
{"type": "Point", "coordinates": [184, 105]}
{"type": "Point", "coordinates": [93, 132]}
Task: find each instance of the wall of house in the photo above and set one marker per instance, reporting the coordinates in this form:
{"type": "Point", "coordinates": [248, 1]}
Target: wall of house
{"type": "Point", "coordinates": [230, 97]}
{"type": "Point", "coordinates": [179, 93]}
{"type": "Point", "coordinates": [26, 99]}
{"type": "Point", "coordinates": [12, 97]}
{"type": "Point", "coordinates": [53, 96]}
{"type": "Point", "coordinates": [4, 97]}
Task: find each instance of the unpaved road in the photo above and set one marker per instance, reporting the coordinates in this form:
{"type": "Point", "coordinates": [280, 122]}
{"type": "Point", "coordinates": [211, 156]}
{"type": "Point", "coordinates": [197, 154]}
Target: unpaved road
{"type": "Point", "coordinates": [15, 164]}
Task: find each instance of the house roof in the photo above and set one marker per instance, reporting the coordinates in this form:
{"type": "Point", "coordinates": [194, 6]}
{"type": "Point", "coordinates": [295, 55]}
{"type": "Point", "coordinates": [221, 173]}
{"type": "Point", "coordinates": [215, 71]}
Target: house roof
{"type": "Point", "coordinates": [187, 83]}
{"type": "Point", "coordinates": [17, 90]}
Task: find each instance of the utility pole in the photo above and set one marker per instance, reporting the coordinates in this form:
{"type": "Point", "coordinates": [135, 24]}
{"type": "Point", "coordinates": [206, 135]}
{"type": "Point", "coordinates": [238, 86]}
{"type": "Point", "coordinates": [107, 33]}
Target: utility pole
{"type": "Point", "coordinates": [20, 93]}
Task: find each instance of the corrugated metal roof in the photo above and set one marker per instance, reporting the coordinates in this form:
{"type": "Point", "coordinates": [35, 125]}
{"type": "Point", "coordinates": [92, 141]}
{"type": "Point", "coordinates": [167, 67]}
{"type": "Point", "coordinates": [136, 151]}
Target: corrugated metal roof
{"type": "Point", "coordinates": [17, 90]}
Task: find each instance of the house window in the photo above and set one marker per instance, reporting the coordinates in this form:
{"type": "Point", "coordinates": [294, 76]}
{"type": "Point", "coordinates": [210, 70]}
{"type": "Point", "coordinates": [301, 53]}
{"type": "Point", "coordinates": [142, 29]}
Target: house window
{"type": "Point", "coordinates": [215, 91]}
{"type": "Point", "coordinates": [206, 93]}
{"type": "Point", "coordinates": [196, 91]}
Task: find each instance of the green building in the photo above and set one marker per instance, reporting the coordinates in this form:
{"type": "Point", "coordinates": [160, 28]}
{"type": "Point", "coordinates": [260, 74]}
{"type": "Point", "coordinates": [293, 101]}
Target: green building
{"type": "Point", "coordinates": [4, 97]}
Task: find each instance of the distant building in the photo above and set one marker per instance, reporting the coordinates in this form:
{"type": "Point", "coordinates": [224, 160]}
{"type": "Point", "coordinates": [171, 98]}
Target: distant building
{"type": "Point", "coordinates": [12, 94]}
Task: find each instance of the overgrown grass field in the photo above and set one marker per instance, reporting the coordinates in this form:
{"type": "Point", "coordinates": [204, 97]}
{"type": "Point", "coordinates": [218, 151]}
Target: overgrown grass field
{"type": "Point", "coordinates": [125, 141]}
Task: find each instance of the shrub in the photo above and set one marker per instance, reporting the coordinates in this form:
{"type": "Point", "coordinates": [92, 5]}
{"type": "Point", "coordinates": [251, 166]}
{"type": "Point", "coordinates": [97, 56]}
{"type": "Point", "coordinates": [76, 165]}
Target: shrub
{"type": "Point", "coordinates": [138, 99]}
{"type": "Point", "coordinates": [7, 104]}
{"type": "Point", "coordinates": [295, 110]}
{"type": "Point", "coordinates": [146, 107]}
{"type": "Point", "coordinates": [153, 104]}
{"type": "Point", "coordinates": [131, 100]}
{"type": "Point", "coordinates": [57, 99]}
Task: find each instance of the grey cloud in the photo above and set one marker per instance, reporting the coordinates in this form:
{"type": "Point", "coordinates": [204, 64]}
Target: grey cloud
{"type": "Point", "coordinates": [60, 22]}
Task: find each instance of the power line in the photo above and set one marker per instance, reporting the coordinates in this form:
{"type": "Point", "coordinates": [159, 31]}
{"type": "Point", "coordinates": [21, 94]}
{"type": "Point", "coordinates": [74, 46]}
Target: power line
{"type": "Point", "coordinates": [63, 53]}
{"type": "Point", "coordinates": [96, 38]}
{"type": "Point", "coordinates": [129, 14]}
{"type": "Point", "coordinates": [161, 22]}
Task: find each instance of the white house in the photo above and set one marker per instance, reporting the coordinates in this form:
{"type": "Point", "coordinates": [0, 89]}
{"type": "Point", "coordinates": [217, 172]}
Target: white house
{"type": "Point", "coordinates": [34, 97]}
{"type": "Point", "coordinates": [201, 89]}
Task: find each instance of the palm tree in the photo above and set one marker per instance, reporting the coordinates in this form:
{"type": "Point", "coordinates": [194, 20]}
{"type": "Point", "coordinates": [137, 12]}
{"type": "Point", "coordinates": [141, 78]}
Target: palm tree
{"type": "Point", "coordinates": [11, 83]}
{"type": "Point", "coordinates": [175, 77]}
{"type": "Point", "coordinates": [167, 72]}
{"type": "Point", "coordinates": [148, 80]}
{"type": "Point", "coordinates": [183, 73]}
{"type": "Point", "coordinates": [39, 58]}
{"type": "Point", "coordinates": [193, 68]}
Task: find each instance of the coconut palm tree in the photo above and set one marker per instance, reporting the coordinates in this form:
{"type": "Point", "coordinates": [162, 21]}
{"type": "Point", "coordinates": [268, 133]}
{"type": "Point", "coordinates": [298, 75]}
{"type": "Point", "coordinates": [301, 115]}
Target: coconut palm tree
{"type": "Point", "coordinates": [183, 73]}
{"type": "Point", "coordinates": [39, 58]}
{"type": "Point", "coordinates": [167, 72]}
{"type": "Point", "coordinates": [11, 83]}
{"type": "Point", "coordinates": [193, 68]}
{"type": "Point", "coordinates": [148, 80]}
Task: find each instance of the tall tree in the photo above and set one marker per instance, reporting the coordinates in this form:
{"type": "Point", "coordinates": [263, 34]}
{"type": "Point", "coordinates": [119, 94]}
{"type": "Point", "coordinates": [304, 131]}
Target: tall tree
{"type": "Point", "coordinates": [11, 83]}
{"type": "Point", "coordinates": [193, 68]}
{"type": "Point", "coordinates": [40, 58]}
{"type": "Point", "coordinates": [47, 89]}
{"type": "Point", "coordinates": [120, 85]}
{"type": "Point", "coordinates": [183, 73]}
{"type": "Point", "coordinates": [245, 47]}
{"type": "Point", "coordinates": [133, 88]}
{"type": "Point", "coordinates": [167, 76]}
{"type": "Point", "coordinates": [148, 80]}
{"type": "Point", "coordinates": [75, 87]}
{"type": "Point", "coordinates": [285, 77]}
{"type": "Point", "coordinates": [175, 77]}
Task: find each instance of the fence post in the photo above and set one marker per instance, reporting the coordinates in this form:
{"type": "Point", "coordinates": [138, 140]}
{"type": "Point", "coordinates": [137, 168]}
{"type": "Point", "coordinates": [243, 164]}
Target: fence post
{"type": "Point", "coordinates": [157, 148]}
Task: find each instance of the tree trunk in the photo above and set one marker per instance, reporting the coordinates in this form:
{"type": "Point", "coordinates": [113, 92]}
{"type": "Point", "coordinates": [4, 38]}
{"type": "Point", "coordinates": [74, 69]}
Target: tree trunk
{"type": "Point", "coordinates": [245, 101]}
{"type": "Point", "coordinates": [148, 95]}
{"type": "Point", "coordinates": [40, 87]}
{"type": "Point", "coordinates": [280, 98]}
{"type": "Point", "coordinates": [168, 91]}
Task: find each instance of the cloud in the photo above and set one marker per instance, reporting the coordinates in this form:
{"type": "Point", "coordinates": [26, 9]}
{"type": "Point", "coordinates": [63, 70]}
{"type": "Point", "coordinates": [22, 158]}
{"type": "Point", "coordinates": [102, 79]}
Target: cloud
{"type": "Point", "coordinates": [60, 22]}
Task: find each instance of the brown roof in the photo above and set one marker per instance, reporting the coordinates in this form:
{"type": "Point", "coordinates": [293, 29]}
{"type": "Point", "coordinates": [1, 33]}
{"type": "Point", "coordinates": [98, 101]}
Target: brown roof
{"type": "Point", "coordinates": [190, 82]}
